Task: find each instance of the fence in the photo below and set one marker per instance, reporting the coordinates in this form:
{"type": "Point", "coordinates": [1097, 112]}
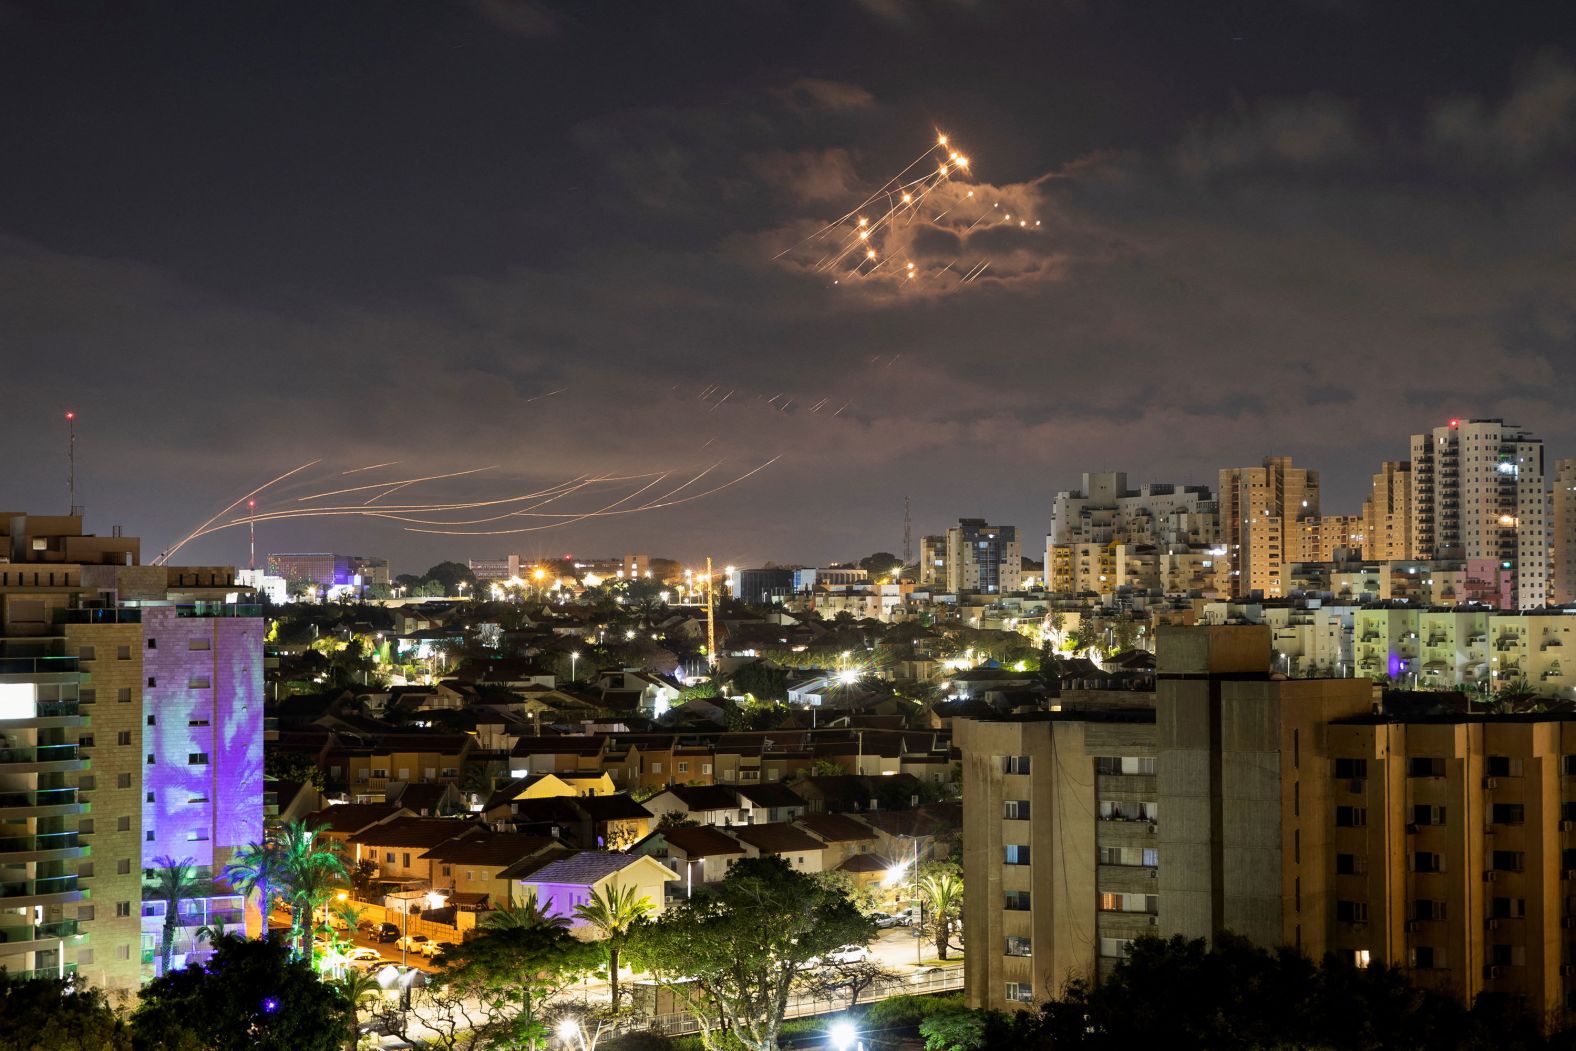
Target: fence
{"type": "Point", "coordinates": [940, 980]}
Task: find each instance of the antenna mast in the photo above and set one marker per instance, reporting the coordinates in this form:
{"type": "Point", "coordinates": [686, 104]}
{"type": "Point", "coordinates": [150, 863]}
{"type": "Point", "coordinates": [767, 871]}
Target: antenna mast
{"type": "Point", "coordinates": [251, 537]}
{"type": "Point", "coordinates": [71, 463]}
{"type": "Point", "coordinates": [908, 532]}
{"type": "Point", "coordinates": [711, 617]}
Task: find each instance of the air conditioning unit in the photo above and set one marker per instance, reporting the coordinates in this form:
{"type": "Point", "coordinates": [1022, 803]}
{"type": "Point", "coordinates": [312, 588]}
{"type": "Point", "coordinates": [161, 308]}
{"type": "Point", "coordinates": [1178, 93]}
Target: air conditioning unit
{"type": "Point", "coordinates": [1411, 829]}
{"type": "Point", "coordinates": [1568, 922]}
{"type": "Point", "coordinates": [1567, 970]}
{"type": "Point", "coordinates": [1490, 876]}
{"type": "Point", "coordinates": [1570, 873]}
{"type": "Point", "coordinates": [1154, 921]}
{"type": "Point", "coordinates": [1413, 926]}
{"type": "Point", "coordinates": [1153, 827]}
{"type": "Point", "coordinates": [1491, 783]}
{"type": "Point", "coordinates": [1491, 924]}
{"type": "Point", "coordinates": [1568, 826]}
{"type": "Point", "coordinates": [1154, 873]}
{"type": "Point", "coordinates": [1493, 971]}
{"type": "Point", "coordinates": [1488, 830]}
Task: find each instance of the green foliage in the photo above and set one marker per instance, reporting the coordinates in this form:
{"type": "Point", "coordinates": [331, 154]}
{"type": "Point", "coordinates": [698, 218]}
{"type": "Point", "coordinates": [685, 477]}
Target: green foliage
{"type": "Point", "coordinates": [249, 997]}
{"type": "Point", "coordinates": [748, 715]}
{"type": "Point", "coordinates": [939, 885]}
{"type": "Point", "coordinates": [311, 870]}
{"type": "Point", "coordinates": [612, 912]}
{"type": "Point", "coordinates": [733, 956]}
{"type": "Point", "coordinates": [761, 681]}
{"type": "Point", "coordinates": [1236, 997]}
{"type": "Point", "coordinates": [172, 882]}
{"type": "Point", "coordinates": [954, 1031]}
{"type": "Point", "coordinates": [701, 691]}
{"type": "Point", "coordinates": [292, 766]}
{"type": "Point", "coordinates": [511, 973]}
{"type": "Point", "coordinates": [449, 576]}
{"type": "Point", "coordinates": [49, 1015]}
{"type": "Point", "coordinates": [903, 1012]}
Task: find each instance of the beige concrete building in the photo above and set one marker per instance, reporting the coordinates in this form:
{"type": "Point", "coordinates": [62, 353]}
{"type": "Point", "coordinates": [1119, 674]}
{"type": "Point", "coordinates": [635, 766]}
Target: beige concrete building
{"type": "Point", "coordinates": [1387, 514]}
{"type": "Point", "coordinates": [1262, 512]}
{"type": "Point", "coordinates": [1477, 493]}
{"type": "Point", "coordinates": [983, 558]}
{"type": "Point", "coordinates": [1328, 538]}
{"type": "Point", "coordinates": [1562, 556]}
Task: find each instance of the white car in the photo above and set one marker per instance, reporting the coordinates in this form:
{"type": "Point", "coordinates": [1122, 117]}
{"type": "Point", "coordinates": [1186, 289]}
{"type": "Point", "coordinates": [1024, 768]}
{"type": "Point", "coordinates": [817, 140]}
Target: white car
{"type": "Point", "coordinates": [430, 948]}
{"type": "Point", "coordinates": [366, 957]}
{"type": "Point", "coordinates": [844, 954]}
{"type": "Point", "coordinates": [412, 943]}
{"type": "Point", "coordinates": [884, 920]}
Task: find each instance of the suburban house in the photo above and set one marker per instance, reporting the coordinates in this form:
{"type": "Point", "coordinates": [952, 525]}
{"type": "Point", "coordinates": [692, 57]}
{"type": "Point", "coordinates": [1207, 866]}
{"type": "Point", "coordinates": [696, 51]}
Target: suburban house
{"type": "Point", "coordinates": [340, 823]}
{"type": "Point", "coordinates": [845, 837]}
{"type": "Point", "coordinates": [802, 851]}
{"type": "Point", "coordinates": [399, 847]}
{"type": "Point", "coordinates": [469, 870]}
{"type": "Point", "coordinates": [706, 804]}
{"type": "Point", "coordinates": [563, 884]}
{"type": "Point", "coordinates": [768, 802]}
{"type": "Point", "coordinates": [700, 855]}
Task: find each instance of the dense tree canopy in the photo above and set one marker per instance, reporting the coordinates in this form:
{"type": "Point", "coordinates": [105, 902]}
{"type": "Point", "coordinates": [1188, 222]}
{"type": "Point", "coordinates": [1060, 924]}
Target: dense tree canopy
{"type": "Point", "coordinates": [732, 957]}
{"type": "Point", "coordinates": [50, 1015]}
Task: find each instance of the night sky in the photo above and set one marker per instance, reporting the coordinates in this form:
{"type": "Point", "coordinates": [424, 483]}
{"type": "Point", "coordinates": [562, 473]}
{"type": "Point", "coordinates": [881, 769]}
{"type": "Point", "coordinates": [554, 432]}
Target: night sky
{"type": "Point", "coordinates": [236, 237]}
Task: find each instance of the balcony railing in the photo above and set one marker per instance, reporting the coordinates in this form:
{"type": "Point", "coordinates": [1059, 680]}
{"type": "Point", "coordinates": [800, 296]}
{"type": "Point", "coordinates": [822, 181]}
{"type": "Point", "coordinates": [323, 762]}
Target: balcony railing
{"type": "Point", "coordinates": [44, 753]}
{"type": "Point", "coordinates": [36, 665]}
{"type": "Point", "coordinates": [39, 797]}
{"type": "Point", "coordinates": [218, 609]}
{"type": "Point", "coordinates": [43, 973]}
{"type": "Point", "coordinates": [29, 887]}
{"type": "Point", "coordinates": [45, 841]}
{"type": "Point", "coordinates": [128, 615]}
{"type": "Point", "coordinates": [39, 932]}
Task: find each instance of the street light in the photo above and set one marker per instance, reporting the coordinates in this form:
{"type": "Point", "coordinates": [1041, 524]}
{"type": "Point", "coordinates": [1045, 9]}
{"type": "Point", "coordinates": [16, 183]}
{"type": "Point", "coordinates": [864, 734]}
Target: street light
{"type": "Point", "coordinates": [574, 657]}
{"type": "Point", "coordinates": [569, 1032]}
{"type": "Point", "coordinates": [843, 1035]}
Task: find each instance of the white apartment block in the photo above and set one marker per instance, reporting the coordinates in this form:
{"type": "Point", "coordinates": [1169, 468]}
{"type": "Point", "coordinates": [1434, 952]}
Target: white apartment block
{"type": "Point", "coordinates": [1478, 493]}
{"type": "Point", "coordinates": [1562, 576]}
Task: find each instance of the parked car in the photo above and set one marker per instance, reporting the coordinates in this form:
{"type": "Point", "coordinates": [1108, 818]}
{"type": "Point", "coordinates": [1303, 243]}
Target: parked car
{"type": "Point", "coordinates": [884, 920]}
{"type": "Point", "coordinates": [365, 957]}
{"type": "Point", "coordinates": [841, 954]}
{"type": "Point", "coordinates": [431, 948]}
{"type": "Point", "coordinates": [388, 932]}
{"type": "Point", "coordinates": [365, 926]}
{"type": "Point", "coordinates": [412, 942]}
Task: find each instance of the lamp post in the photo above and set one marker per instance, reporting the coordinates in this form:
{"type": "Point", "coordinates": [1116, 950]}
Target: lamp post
{"type": "Point", "coordinates": [574, 659]}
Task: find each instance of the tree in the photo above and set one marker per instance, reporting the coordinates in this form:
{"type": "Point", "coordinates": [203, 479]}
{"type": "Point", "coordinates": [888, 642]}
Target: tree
{"type": "Point", "coordinates": [732, 957]}
{"type": "Point", "coordinates": [256, 867]}
{"type": "Point", "coordinates": [357, 987]}
{"type": "Point", "coordinates": [762, 681]}
{"type": "Point", "coordinates": [293, 766]}
{"type": "Point", "coordinates": [312, 870]}
{"type": "Point", "coordinates": [529, 914]}
{"type": "Point", "coordinates": [612, 912]}
{"type": "Point", "coordinates": [48, 1014]}
{"type": "Point", "coordinates": [251, 996]}
{"type": "Point", "coordinates": [512, 974]}
{"type": "Point", "coordinates": [172, 882]}
{"type": "Point", "coordinates": [881, 564]}
{"type": "Point", "coordinates": [940, 889]}
{"type": "Point", "coordinates": [850, 979]}
{"type": "Point", "coordinates": [450, 575]}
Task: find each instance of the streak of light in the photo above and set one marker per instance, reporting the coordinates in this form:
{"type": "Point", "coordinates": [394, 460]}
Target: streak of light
{"type": "Point", "coordinates": [401, 483]}
{"type": "Point", "coordinates": [373, 467]}
{"type": "Point", "coordinates": [549, 394]}
{"type": "Point", "coordinates": [164, 556]}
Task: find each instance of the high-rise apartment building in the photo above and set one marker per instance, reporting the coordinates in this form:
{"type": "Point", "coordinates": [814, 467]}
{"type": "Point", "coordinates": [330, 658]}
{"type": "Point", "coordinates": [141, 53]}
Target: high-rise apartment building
{"type": "Point", "coordinates": [1562, 582]}
{"type": "Point", "coordinates": [1327, 538]}
{"type": "Point", "coordinates": [983, 558]}
{"type": "Point", "coordinates": [1161, 518]}
{"type": "Point", "coordinates": [1290, 812]}
{"type": "Point", "coordinates": [329, 570]}
{"type": "Point", "coordinates": [144, 684]}
{"type": "Point", "coordinates": [933, 561]}
{"type": "Point", "coordinates": [1387, 514]}
{"type": "Point", "coordinates": [1477, 493]}
{"type": "Point", "coordinates": [1262, 510]}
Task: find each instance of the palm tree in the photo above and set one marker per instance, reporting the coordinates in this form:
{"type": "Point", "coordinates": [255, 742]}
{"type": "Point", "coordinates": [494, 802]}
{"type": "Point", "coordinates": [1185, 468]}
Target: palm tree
{"type": "Point", "coordinates": [613, 912]}
{"type": "Point", "coordinates": [477, 780]}
{"type": "Point", "coordinates": [527, 914]}
{"type": "Point", "coordinates": [312, 870]}
{"type": "Point", "coordinates": [256, 867]}
{"type": "Point", "coordinates": [357, 987]}
{"type": "Point", "coordinates": [941, 890]}
{"type": "Point", "coordinates": [172, 882]}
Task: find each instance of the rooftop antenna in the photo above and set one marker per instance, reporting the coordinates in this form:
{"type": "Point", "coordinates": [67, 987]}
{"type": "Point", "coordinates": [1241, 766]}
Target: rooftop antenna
{"type": "Point", "coordinates": [71, 463]}
{"type": "Point", "coordinates": [908, 531]}
{"type": "Point", "coordinates": [711, 618]}
{"type": "Point", "coordinates": [251, 537]}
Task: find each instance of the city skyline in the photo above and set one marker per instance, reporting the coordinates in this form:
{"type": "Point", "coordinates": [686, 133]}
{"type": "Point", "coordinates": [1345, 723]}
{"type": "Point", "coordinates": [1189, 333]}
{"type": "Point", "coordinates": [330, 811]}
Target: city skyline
{"type": "Point", "coordinates": [1310, 232]}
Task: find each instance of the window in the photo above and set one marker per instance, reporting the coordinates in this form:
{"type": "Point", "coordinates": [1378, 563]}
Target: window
{"type": "Point", "coordinates": [123, 738]}
{"type": "Point", "coordinates": [656, 768]}
{"type": "Point", "coordinates": [1116, 946]}
{"type": "Point", "coordinates": [1015, 764]}
{"type": "Point", "coordinates": [1507, 955]}
{"type": "Point", "coordinates": [123, 695]}
{"type": "Point", "coordinates": [85, 827]}
{"type": "Point", "coordinates": [1509, 814]}
{"type": "Point", "coordinates": [150, 758]}
{"type": "Point", "coordinates": [1017, 901]}
{"type": "Point", "coordinates": [1015, 810]}
{"type": "Point", "coordinates": [1507, 908]}
{"type": "Point", "coordinates": [123, 867]}
{"type": "Point", "coordinates": [1424, 909]}
{"type": "Point", "coordinates": [153, 680]}
{"type": "Point", "coordinates": [85, 741]}
{"type": "Point", "coordinates": [407, 860]}
{"type": "Point", "coordinates": [1428, 861]}
{"type": "Point", "coordinates": [197, 644]}
{"type": "Point", "coordinates": [1015, 854]}
{"type": "Point", "coordinates": [196, 758]}
{"type": "Point", "coordinates": [1423, 814]}
{"type": "Point", "coordinates": [87, 696]}
{"type": "Point", "coordinates": [122, 952]}
{"type": "Point", "coordinates": [683, 768]}
{"type": "Point", "coordinates": [1018, 946]}
{"type": "Point", "coordinates": [123, 908]}
{"type": "Point", "coordinates": [1425, 767]}
{"type": "Point", "coordinates": [153, 644]}
{"type": "Point", "coordinates": [198, 682]}
{"type": "Point", "coordinates": [1508, 861]}
{"type": "Point", "coordinates": [123, 653]}
{"type": "Point", "coordinates": [87, 782]}
{"type": "Point", "coordinates": [1502, 766]}
{"type": "Point", "coordinates": [705, 768]}
{"type": "Point", "coordinates": [84, 870]}
{"type": "Point", "coordinates": [1351, 817]}
{"type": "Point", "coordinates": [123, 823]}
{"type": "Point", "coordinates": [149, 836]}
{"type": "Point", "coordinates": [84, 956]}
{"type": "Point", "coordinates": [1020, 992]}
{"type": "Point", "coordinates": [1350, 864]}
{"type": "Point", "coordinates": [150, 797]}
{"type": "Point", "coordinates": [1568, 765]}
{"type": "Point", "coordinates": [1351, 769]}
{"type": "Point", "coordinates": [198, 835]}
{"type": "Point", "coordinates": [1351, 911]}
{"type": "Point", "coordinates": [85, 913]}
{"type": "Point", "coordinates": [85, 653]}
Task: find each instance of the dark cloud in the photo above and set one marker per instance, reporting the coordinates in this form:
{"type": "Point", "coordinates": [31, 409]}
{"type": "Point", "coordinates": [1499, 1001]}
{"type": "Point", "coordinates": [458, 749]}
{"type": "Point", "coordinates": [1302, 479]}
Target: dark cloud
{"type": "Point", "coordinates": [444, 253]}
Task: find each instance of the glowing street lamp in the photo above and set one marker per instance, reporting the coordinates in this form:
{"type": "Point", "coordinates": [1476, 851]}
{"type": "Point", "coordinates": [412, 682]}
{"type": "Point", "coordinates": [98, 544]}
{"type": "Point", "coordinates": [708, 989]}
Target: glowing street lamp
{"type": "Point", "coordinates": [843, 1035]}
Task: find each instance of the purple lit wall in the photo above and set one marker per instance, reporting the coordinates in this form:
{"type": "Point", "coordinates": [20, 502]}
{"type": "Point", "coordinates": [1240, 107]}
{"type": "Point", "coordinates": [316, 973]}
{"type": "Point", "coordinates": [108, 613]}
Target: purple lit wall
{"type": "Point", "coordinates": [204, 695]}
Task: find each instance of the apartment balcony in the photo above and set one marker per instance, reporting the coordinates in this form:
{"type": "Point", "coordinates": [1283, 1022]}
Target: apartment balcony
{"type": "Point", "coordinates": [46, 972]}
{"type": "Point", "coordinates": [49, 846]}
{"type": "Point", "coordinates": [38, 665]}
{"type": "Point", "coordinates": [118, 615]}
{"type": "Point", "coordinates": [54, 890]}
{"type": "Point", "coordinates": [43, 713]}
{"type": "Point", "coordinates": [1551, 642]}
{"type": "Point", "coordinates": [37, 936]}
{"type": "Point", "coordinates": [42, 759]}
{"type": "Point", "coordinates": [1128, 879]}
{"type": "Point", "coordinates": [1133, 787]}
{"type": "Point", "coordinates": [41, 802]}
{"type": "Point", "coordinates": [218, 609]}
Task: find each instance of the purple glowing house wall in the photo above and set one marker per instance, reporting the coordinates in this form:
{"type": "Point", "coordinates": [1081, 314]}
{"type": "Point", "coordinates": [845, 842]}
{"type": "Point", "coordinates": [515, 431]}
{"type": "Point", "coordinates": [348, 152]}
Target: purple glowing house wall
{"type": "Point", "coordinates": [203, 738]}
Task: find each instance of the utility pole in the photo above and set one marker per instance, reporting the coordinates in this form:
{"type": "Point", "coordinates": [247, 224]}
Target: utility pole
{"type": "Point", "coordinates": [251, 537]}
{"type": "Point", "coordinates": [711, 618]}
